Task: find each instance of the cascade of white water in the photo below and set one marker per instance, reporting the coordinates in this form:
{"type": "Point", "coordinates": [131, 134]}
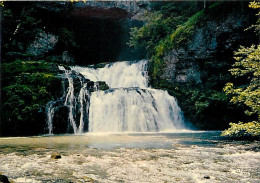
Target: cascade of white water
{"type": "Point", "coordinates": [49, 110]}
{"type": "Point", "coordinates": [83, 96]}
{"type": "Point", "coordinates": [118, 74]}
{"type": "Point", "coordinates": [130, 105]}
{"type": "Point", "coordinates": [70, 100]}
{"type": "Point", "coordinates": [134, 110]}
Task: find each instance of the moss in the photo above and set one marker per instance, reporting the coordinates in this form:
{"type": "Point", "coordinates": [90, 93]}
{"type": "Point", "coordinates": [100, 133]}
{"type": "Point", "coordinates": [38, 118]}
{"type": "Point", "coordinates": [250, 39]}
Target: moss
{"type": "Point", "coordinates": [183, 31]}
{"type": "Point", "coordinates": [102, 85]}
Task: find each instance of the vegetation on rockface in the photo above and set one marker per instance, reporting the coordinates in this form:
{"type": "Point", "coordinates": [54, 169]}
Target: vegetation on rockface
{"type": "Point", "coordinates": [164, 30]}
{"type": "Point", "coordinates": [247, 65]}
{"type": "Point", "coordinates": [26, 88]}
{"type": "Point", "coordinates": [175, 32]}
{"type": "Point", "coordinates": [202, 103]}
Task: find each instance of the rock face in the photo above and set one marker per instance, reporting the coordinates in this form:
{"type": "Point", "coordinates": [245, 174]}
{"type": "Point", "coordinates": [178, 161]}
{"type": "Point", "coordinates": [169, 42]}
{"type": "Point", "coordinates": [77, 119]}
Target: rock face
{"type": "Point", "coordinates": [131, 7]}
{"type": "Point", "coordinates": [78, 32]}
{"type": "Point", "coordinates": [67, 57]}
{"type": "Point", "coordinates": [43, 43]}
{"type": "Point", "coordinates": [210, 49]}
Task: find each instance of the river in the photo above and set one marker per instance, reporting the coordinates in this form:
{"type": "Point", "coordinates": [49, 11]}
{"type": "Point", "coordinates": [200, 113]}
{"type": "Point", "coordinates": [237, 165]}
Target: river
{"type": "Point", "coordinates": [187, 156]}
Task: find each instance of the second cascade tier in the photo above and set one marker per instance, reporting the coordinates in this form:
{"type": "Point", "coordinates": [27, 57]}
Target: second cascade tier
{"type": "Point", "coordinates": [133, 110]}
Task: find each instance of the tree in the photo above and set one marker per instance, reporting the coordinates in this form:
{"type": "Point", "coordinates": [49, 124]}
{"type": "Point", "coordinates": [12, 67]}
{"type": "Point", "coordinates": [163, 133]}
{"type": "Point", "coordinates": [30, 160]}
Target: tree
{"type": "Point", "coordinates": [247, 65]}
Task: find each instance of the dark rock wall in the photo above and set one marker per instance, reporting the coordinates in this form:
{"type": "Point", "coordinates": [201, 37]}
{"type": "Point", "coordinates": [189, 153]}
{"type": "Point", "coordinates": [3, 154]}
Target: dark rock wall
{"type": "Point", "coordinates": [210, 50]}
{"type": "Point", "coordinates": [75, 33]}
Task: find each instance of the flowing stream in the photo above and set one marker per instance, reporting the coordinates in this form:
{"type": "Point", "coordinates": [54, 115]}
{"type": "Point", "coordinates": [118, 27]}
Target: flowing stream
{"type": "Point", "coordinates": [184, 157]}
{"type": "Point", "coordinates": [129, 105]}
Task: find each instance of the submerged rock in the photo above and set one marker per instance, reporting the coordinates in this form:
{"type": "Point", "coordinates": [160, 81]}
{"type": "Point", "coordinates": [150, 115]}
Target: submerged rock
{"type": "Point", "coordinates": [88, 179]}
{"type": "Point", "coordinates": [4, 179]}
{"type": "Point", "coordinates": [206, 177]}
{"type": "Point", "coordinates": [55, 156]}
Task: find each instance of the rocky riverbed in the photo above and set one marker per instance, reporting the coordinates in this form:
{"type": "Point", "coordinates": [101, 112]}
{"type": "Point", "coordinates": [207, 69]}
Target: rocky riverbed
{"type": "Point", "coordinates": [166, 157]}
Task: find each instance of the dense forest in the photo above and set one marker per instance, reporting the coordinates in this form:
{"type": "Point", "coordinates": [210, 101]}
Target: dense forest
{"type": "Point", "coordinates": [206, 54]}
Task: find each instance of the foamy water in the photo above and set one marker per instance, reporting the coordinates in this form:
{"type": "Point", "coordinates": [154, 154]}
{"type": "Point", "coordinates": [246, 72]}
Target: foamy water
{"type": "Point", "coordinates": [168, 157]}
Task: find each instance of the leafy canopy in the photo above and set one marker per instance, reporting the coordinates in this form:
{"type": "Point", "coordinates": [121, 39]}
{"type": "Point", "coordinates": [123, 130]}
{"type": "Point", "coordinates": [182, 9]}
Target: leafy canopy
{"type": "Point", "coordinates": [247, 65]}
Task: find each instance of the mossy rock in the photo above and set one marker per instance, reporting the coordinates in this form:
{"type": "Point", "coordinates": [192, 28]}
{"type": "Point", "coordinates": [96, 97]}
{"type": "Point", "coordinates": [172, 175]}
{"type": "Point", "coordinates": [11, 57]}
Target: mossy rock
{"type": "Point", "coordinates": [102, 85]}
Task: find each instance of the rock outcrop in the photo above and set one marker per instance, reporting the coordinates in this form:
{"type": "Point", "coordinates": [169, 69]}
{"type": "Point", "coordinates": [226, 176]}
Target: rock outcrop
{"type": "Point", "coordinates": [210, 49]}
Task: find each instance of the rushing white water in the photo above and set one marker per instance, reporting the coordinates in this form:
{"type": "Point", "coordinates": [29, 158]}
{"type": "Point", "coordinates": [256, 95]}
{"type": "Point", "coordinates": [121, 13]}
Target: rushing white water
{"type": "Point", "coordinates": [130, 106]}
{"type": "Point", "coordinates": [119, 74]}
{"type": "Point", "coordinates": [73, 102]}
{"type": "Point", "coordinates": [133, 110]}
{"type": "Point", "coordinates": [83, 96]}
{"type": "Point", "coordinates": [70, 101]}
{"type": "Point", "coordinates": [50, 109]}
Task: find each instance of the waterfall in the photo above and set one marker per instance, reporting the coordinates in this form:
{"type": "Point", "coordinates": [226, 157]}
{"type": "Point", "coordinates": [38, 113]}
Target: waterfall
{"type": "Point", "coordinates": [133, 110]}
{"type": "Point", "coordinates": [129, 105]}
{"type": "Point", "coordinates": [49, 110]}
{"type": "Point", "coordinates": [84, 95]}
{"type": "Point", "coordinates": [70, 101]}
{"type": "Point", "coordinates": [119, 74]}
{"type": "Point", "coordinates": [77, 103]}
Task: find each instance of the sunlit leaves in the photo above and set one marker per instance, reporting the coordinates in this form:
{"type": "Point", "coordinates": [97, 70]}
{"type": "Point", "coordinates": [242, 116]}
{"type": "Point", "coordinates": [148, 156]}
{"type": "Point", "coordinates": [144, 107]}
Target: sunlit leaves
{"type": "Point", "coordinates": [256, 5]}
{"type": "Point", "coordinates": [250, 129]}
{"type": "Point", "coordinates": [247, 64]}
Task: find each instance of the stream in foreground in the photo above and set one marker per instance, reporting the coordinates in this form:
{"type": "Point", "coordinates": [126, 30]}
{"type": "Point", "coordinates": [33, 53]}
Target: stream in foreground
{"type": "Point", "coordinates": [140, 157]}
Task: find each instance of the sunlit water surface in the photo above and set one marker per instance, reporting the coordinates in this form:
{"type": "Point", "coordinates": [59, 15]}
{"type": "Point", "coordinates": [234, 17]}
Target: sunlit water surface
{"type": "Point", "coordinates": [187, 156]}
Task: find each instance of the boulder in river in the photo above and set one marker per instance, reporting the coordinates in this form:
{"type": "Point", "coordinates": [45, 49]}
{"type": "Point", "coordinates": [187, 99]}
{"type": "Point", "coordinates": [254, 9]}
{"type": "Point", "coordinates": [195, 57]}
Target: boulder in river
{"type": "Point", "coordinates": [55, 156]}
{"type": "Point", "coordinates": [206, 177]}
{"type": "Point", "coordinates": [4, 179]}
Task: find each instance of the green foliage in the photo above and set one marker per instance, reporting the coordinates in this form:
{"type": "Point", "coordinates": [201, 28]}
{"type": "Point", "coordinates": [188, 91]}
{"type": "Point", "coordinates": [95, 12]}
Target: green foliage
{"type": "Point", "coordinates": [182, 33]}
{"type": "Point", "coordinates": [160, 24]}
{"type": "Point", "coordinates": [23, 101]}
{"type": "Point", "coordinates": [242, 130]}
{"type": "Point", "coordinates": [162, 33]}
{"type": "Point", "coordinates": [247, 64]}
{"type": "Point", "coordinates": [201, 104]}
{"type": "Point", "coordinates": [256, 5]}
{"type": "Point", "coordinates": [156, 28]}
{"type": "Point", "coordinates": [26, 88]}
